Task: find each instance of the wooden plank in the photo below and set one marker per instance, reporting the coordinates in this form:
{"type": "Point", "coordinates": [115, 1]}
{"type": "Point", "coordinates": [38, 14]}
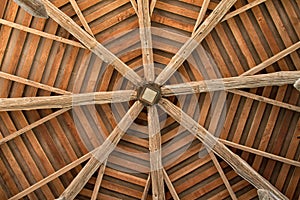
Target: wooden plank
{"type": "Point", "coordinates": [98, 181]}
{"type": "Point", "coordinates": [223, 176]}
{"type": "Point", "coordinates": [81, 17]}
{"type": "Point", "coordinates": [41, 33]}
{"type": "Point", "coordinates": [238, 164]}
{"type": "Point", "coordinates": [102, 152]}
{"type": "Point", "coordinates": [170, 185]}
{"type": "Point", "coordinates": [242, 9]}
{"type": "Point", "coordinates": [272, 60]}
{"type": "Point", "coordinates": [271, 79]}
{"type": "Point", "coordinates": [146, 39]}
{"type": "Point", "coordinates": [146, 189]}
{"type": "Point", "coordinates": [65, 101]}
{"type": "Point", "coordinates": [156, 166]}
{"type": "Point", "coordinates": [152, 6]}
{"type": "Point", "coordinates": [135, 7]}
{"type": "Point", "coordinates": [206, 27]}
{"type": "Point", "coordinates": [201, 14]}
{"type": "Point", "coordinates": [33, 7]}
{"type": "Point", "coordinates": [91, 43]}
{"type": "Point", "coordinates": [266, 100]}
{"type": "Point", "coordinates": [297, 84]}
{"type": "Point", "coordinates": [31, 126]}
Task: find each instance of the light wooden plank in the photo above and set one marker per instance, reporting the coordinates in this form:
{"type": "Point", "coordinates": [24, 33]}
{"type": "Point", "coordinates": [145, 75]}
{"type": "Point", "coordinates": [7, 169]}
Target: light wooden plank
{"type": "Point", "coordinates": [223, 176]}
{"type": "Point", "coordinates": [261, 153]}
{"type": "Point", "coordinates": [81, 17]}
{"type": "Point", "coordinates": [102, 152]}
{"type": "Point", "coordinates": [31, 126]}
{"type": "Point", "coordinates": [170, 185]}
{"type": "Point", "coordinates": [98, 181]}
{"type": "Point", "coordinates": [211, 142]}
{"type": "Point", "coordinates": [201, 14]}
{"type": "Point", "coordinates": [146, 189]}
{"type": "Point", "coordinates": [65, 101]}
{"type": "Point", "coordinates": [91, 43]}
{"type": "Point", "coordinates": [206, 27]}
{"type": "Point", "coordinates": [158, 191]}
{"type": "Point", "coordinates": [32, 83]}
{"type": "Point", "coordinates": [266, 100]}
{"type": "Point", "coordinates": [272, 60]}
{"type": "Point", "coordinates": [242, 9]}
{"type": "Point", "coordinates": [152, 6]}
{"type": "Point", "coordinates": [146, 39]}
{"type": "Point", "coordinates": [135, 7]}
{"type": "Point", "coordinates": [262, 80]}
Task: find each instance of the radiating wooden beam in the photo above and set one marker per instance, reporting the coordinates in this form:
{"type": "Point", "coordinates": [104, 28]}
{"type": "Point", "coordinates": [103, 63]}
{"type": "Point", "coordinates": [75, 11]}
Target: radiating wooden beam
{"type": "Point", "coordinates": [33, 7]}
{"type": "Point", "coordinates": [152, 6]}
{"type": "Point", "coordinates": [272, 60]}
{"type": "Point", "coordinates": [65, 101]}
{"type": "Point", "coordinates": [211, 142]}
{"type": "Point", "coordinates": [98, 181]}
{"type": "Point", "coordinates": [81, 17]}
{"type": "Point", "coordinates": [32, 126]}
{"type": "Point", "coordinates": [135, 7]}
{"type": "Point", "coordinates": [146, 189]}
{"type": "Point", "coordinates": [243, 9]}
{"type": "Point", "coordinates": [170, 186]}
{"type": "Point", "coordinates": [91, 43]}
{"type": "Point", "coordinates": [146, 39]}
{"type": "Point", "coordinates": [261, 153]}
{"type": "Point", "coordinates": [102, 152]}
{"type": "Point", "coordinates": [41, 33]}
{"type": "Point", "coordinates": [201, 14]}
{"type": "Point", "coordinates": [51, 177]}
{"type": "Point", "coordinates": [223, 176]}
{"type": "Point", "coordinates": [264, 195]}
{"type": "Point", "coordinates": [158, 191]}
{"type": "Point", "coordinates": [185, 51]}
{"type": "Point", "coordinates": [297, 84]}
{"type": "Point", "coordinates": [266, 100]}
{"type": "Point", "coordinates": [262, 80]}
{"type": "Point", "coordinates": [32, 83]}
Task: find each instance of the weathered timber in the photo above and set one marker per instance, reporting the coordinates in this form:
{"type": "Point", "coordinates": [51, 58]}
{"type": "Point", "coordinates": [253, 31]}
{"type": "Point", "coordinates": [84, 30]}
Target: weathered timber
{"type": "Point", "coordinates": [33, 7]}
{"type": "Point", "coordinates": [98, 181]}
{"type": "Point", "coordinates": [146, 188]}
{"type": "Point", "coordinates": [146, 39]}
{"type": "Point", "coordinates": [297, 84]}
{"type": "Point", "coordinates": [155, 154]}
{"type": "Point", "coordinates": [65, 101]}
{"type": "Point", "coordinates": [206, 27]}
{"type": "Point", "coordinates": [271, 79]}
{"type": "Point", "coordinates": [170, 185]}
{"type": "Point", "coordinates": [264, 195]}
{"type": "Point", "coordinates": [102, 152]}
{"type": "Point", "coordinates": [212, 143]}
{"type": "Point", "coordinates": [91, 43]}
{"type": "Point", "coordinates": [201, 14]}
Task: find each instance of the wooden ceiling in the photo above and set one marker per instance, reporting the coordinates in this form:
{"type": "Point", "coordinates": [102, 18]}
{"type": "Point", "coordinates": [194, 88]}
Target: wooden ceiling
{"type": "Point", "coordinates": [71, 125]}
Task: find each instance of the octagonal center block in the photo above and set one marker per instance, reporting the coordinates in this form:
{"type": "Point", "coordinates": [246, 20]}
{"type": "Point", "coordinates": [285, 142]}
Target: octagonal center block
{"type": "Point", "coordinates": [149, 94]}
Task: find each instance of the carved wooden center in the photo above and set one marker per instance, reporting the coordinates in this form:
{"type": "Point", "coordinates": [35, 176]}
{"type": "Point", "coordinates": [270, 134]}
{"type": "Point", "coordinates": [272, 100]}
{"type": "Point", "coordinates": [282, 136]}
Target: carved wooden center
{"type": "Point", "coordinates": [149, 94]}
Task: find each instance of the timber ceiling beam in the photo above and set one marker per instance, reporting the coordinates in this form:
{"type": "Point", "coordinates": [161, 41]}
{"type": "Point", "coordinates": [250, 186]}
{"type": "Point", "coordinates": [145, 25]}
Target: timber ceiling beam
{"type": "Point", "coordinates": [262, 80]}
{"type": "Point", "coordinates": [91, 43]}
{"type": "Point", "coordinates": [201, 14]}
{"type": "Point", "coordinates": [101, 153]}
{"type": "Point", "coordinates": [212, 143]}
{"type": "Point", "coordinates": [98, 181]}
{"type": "Point", "coordinates": [146, 188]}
{"type": "Point", "coordinates": [155, 154]}
{"type": "Point", "coordinates": [170, 185]}
{"type": "Point", "coordinates": [185, 51]}
{"type": "Point", "coordinates": [65, 101]}
{"type": "Point", "coordinates": [146, 39]}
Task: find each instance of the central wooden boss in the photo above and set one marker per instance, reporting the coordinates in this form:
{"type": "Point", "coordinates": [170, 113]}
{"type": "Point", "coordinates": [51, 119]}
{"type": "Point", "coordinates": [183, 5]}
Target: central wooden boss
{"type": "Point", "coordinates": [149, 94]}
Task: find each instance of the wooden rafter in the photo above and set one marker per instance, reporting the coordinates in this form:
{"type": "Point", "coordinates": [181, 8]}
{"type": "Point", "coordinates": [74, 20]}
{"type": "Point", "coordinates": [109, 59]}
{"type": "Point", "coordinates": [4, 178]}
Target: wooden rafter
{"type": "Point", "coordinates": [32, 83]}
{"type": "Point", "coordinates": [223, 176]}
{"type": "Point", "coordinates": [272, 60]}
{"type": "Point", "coordinates": [134, 5]}
{"type": "Point", "coordinates": [65, 101]}
{"type": "Point", "coordinates": [146, 39]}
{"type": "Point", "coordinates": [81, 17]}
{"type": "Point", "coordinates": [297, 84]}
{"type": "Point", "coordinates": [170, 185]}
{"type": "Point", "coordinates": [98, 181]}
{"type": "Point", "coordinates": [91, 43]}
{"type": "Point", "coordinates": [32, 126]}
{"type": "Point", "coordinates": [238, 164]}
{"type": "Point", "coordinates": [33, 7]}
{"type": "Point", "coordinates": [146, 189]}
{"type": "Point", "coordinates": [271, 79]}
{"type": "Point", "coordinates": [206, 27]}
{"type": "Point", "coordinates": [155, 154]}
{"type": "Point", "coordinates": [102, 152]}
{"type": "Point", "coordinates": [201, 14]}
{"type": "Point", "coordinates": [266, 100]}
{"type": "Point", "coordinates": [261, 153]}
{"type": "Point", "coordinates": [152, 6]}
